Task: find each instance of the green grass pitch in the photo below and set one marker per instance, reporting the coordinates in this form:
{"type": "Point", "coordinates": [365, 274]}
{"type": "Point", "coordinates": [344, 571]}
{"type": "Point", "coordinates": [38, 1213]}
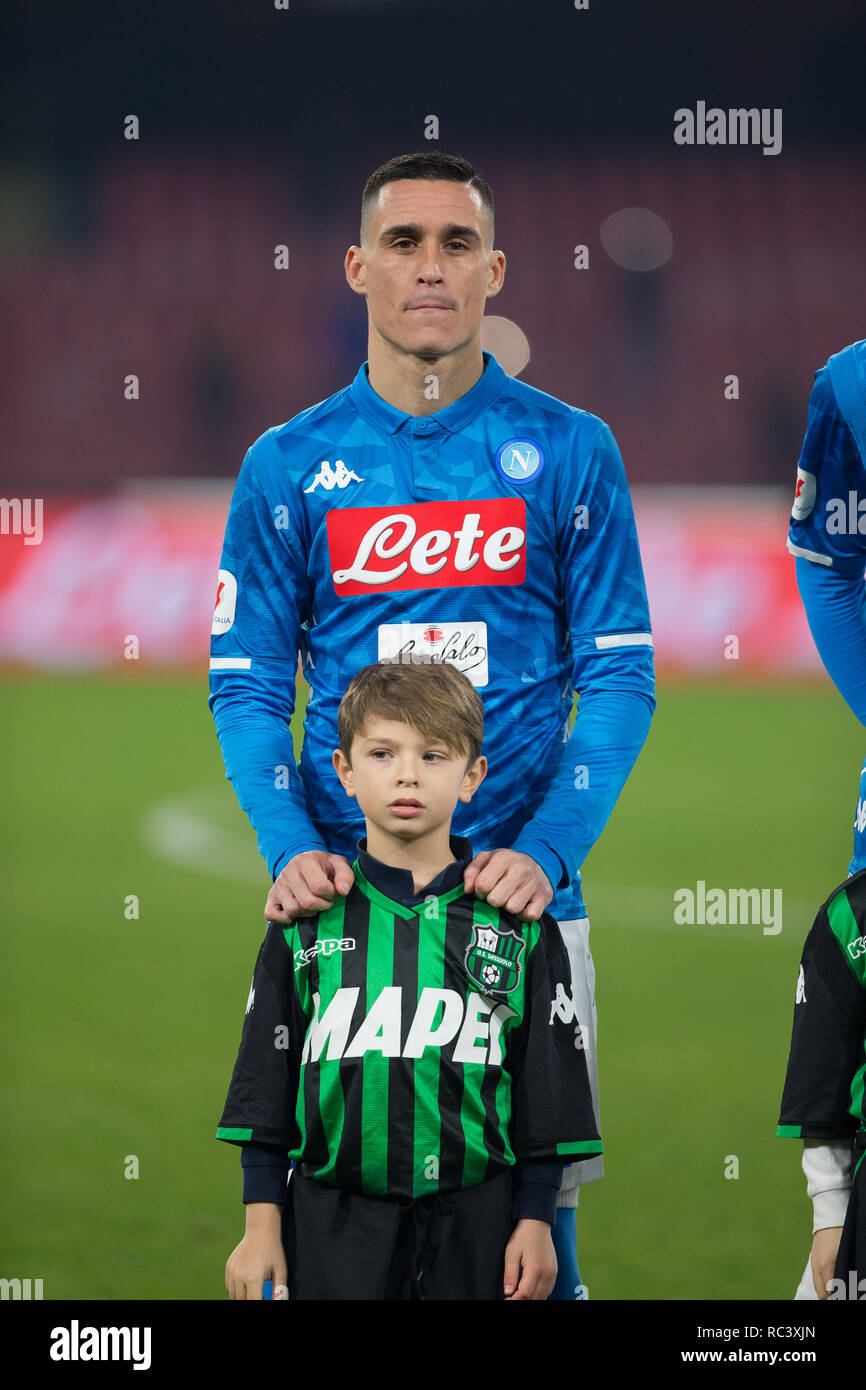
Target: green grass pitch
{"type": "Point", "coordinates": [119, 1034]}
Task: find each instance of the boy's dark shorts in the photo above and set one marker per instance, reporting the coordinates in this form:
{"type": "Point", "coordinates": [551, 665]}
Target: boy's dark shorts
{"type": "Point", "coordinates": [340, 1245]}
{"type": "Point", "coordinates": [852, 1247]}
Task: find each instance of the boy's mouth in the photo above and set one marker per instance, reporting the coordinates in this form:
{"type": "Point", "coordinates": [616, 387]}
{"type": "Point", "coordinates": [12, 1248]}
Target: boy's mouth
{"type": "Point", "coordinates": [406, 806]}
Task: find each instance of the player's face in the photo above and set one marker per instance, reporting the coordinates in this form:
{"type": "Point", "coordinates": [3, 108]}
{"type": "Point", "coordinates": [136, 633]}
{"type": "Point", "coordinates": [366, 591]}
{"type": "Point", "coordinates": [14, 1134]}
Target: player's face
{"type": "Point", "coordinates": [393, 766]}
{"type": "Point", "coordinates": [426, 271]}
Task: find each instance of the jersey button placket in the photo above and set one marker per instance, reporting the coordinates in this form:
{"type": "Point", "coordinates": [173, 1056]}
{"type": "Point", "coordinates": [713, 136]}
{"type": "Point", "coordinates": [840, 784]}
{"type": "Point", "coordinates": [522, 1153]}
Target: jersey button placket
{"type": "Point", "coordinates": [426, 464]}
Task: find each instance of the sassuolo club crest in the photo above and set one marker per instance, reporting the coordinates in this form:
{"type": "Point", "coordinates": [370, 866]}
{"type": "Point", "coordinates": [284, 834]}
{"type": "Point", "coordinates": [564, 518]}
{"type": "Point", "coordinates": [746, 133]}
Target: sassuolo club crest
{"type": "Point", "coordinates": [493, 959]}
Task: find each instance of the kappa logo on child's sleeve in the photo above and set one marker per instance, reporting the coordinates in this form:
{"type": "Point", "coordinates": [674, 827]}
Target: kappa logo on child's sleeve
{"type": "Point", "coordinates": [563, 1006]}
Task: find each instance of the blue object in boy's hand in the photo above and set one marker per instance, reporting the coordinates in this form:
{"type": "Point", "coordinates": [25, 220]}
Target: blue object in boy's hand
{"type": "Point", "coordinates": [268, 1289]}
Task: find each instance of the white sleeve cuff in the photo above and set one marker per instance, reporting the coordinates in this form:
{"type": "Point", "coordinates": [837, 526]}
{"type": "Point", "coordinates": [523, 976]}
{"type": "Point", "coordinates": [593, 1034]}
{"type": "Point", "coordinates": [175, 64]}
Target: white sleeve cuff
{"type": "Point", "coordinates": [827, 1166]}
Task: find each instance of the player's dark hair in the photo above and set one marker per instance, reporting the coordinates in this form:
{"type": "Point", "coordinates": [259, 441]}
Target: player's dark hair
{"type": "Point", "coordinates": [434, 698]}
{"type": "Point", "coordinates": [425, 164]}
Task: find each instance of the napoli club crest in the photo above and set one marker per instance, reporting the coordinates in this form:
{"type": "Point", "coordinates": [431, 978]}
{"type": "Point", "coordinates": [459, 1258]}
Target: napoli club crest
{"type": "Point", "coordinates": [493, 959]}
{"type": "Point", "coordinates": [519, 460]}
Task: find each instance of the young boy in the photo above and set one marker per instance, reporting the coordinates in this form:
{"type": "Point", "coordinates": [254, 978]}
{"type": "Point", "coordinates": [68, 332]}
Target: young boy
{"type": "Point", "coordinates": [413, 1049]}
{"type": "Point", "coordinates": [823, 1100]}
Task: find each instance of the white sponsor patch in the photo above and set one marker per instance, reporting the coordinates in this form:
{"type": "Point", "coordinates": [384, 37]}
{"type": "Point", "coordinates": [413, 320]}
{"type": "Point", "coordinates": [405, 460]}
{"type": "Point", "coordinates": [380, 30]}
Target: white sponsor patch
{"type": "Point", "coordinates": [224, 606]}
{"type": "Point", "coordinates": [463, 644]}
{"type": "Point", "coordinates": [804, 495]}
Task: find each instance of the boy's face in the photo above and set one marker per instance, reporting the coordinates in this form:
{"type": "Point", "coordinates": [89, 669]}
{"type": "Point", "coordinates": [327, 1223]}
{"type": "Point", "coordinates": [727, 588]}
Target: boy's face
{"type": "Point", "coordinates": [394, 765]}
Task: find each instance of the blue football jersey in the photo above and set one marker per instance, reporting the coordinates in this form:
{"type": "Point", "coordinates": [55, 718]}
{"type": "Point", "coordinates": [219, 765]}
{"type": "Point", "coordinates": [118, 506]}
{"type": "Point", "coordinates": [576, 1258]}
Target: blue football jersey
{"type": "Point", "coordinates": [496, 533]}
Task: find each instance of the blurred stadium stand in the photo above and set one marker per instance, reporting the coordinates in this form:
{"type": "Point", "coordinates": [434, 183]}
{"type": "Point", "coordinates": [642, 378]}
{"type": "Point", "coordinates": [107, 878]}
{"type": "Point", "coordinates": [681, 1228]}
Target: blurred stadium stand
{"type": "Point", "coordinates": [174, 282]}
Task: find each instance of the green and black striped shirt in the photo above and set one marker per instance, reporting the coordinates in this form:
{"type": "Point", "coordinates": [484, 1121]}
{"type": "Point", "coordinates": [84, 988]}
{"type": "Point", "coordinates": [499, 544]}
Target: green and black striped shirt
{"type": "Point", "coordinates": [407, 1050]}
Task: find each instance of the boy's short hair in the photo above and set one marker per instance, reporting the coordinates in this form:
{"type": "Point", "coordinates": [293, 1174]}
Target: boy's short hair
{"type": "Point", "coordinates": [434, 698]}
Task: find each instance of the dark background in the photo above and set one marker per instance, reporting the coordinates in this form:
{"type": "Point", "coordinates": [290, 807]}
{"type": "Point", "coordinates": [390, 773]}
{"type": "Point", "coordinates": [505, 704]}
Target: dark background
{"type": "Point", "coordinates": [260, 127]}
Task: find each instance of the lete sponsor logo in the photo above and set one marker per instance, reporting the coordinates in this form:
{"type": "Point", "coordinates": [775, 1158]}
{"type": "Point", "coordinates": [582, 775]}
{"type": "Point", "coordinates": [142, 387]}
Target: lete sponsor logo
{"type": "Point", "coordinates": [428, 545]}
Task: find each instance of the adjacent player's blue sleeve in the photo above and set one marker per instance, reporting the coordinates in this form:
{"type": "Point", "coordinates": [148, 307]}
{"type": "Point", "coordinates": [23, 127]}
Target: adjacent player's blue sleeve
{"type": "Point", "coordinates": [824, 534]}
{"type": "Point", "coordinates": [835, 607]}
{"type": "Point", "coordinates": [608, 618]}
{"type": "Point", "coordinates": [264, 599]}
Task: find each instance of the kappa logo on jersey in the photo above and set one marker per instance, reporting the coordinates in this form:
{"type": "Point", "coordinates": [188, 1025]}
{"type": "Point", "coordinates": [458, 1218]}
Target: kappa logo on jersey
{"type": "Point", "coordinates": [493, 959]}
{"type": "Point", "coordinates": [804, 494]}
{"type": "Point", "coordinates": [857, 948]}
{"type": "Point", "coordinates": [475, 1023]}
{"type": "Point", "coordinates": [801, 987]}
{"type": "Point", "coordinates": [326, 948]}
{"type": "Point", "coordinates": [860, 816]}
{"type": "Point", "coordinates": [427, 545]}
{"type": "Point", "coordinates": [519, 460]}
{"type": "Point", "coordinates": [224, 604]}
{"type": "Point", "coordinates": [340, 476]}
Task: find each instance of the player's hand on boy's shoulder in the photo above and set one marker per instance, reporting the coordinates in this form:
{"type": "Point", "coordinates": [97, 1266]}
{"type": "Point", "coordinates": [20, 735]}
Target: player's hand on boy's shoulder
{"type": "Point", "coordinates": [530, 1262]}
{"type": "Point", "coordinates": [309, 883]}
{"type": "Point", "coordinates": [507, 878]}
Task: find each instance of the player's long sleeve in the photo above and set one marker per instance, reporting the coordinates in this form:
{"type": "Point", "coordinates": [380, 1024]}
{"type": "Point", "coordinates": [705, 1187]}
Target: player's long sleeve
{"type": "Point", "coordinates": [835, 607]}
{"type": "Point", "coordinates": [827, 1168]}
{"type": "Point", "coordinates": [262, 601]}
{"type": "Point", "coordinates": [551, 1100]}
{"type": "Point", "coordinates": [825, 535]}
{"type": "Point", "coordinates": [262, 1094]}
{"type": "Point", "coordinates": [609, 625]}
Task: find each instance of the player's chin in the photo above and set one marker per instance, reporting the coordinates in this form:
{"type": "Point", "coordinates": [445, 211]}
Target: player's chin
{"type": "Point", "coordinates": [431, 343]}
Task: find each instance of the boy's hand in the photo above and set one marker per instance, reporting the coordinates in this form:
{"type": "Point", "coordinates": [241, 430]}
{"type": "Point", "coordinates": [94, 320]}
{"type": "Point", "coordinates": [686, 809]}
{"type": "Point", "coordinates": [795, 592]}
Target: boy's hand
{"type": "Point", "coordinates": [530, 1262]}
{"type": "Point", "coordinates": [825, 1248]}
{"type": "Point", "coordinates": [506, 878]}
{"type": "Point", "coordinates": [308, 884]}
{"type": "Point", "coordinates": [259, 1256]}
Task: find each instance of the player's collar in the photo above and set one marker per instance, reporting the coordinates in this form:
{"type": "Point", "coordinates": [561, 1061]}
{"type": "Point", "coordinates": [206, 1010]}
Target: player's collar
{"type": "Point", "coordinates": [453, 418]}
{"type": "Point", "coordinates": [397, 886]}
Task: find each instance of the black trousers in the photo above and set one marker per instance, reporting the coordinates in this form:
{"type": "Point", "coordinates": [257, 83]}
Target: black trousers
{"type": "Point", "coordinates": [851, 1258]}
{"type": "Point", "coordinates": [340, 1245]}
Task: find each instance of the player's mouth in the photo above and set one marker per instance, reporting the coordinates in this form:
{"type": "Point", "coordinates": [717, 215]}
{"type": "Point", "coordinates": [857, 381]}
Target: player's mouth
{"type": "Point", "coordinates": [430, 308]}
{"type": "Point", "coordinates": [406, 808]}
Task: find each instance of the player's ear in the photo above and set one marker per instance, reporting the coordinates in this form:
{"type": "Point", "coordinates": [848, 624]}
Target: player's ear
{"type": "Point", "coordinates": [354, 268]}
{"type": "Point", "coordinates": [495, 273]}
